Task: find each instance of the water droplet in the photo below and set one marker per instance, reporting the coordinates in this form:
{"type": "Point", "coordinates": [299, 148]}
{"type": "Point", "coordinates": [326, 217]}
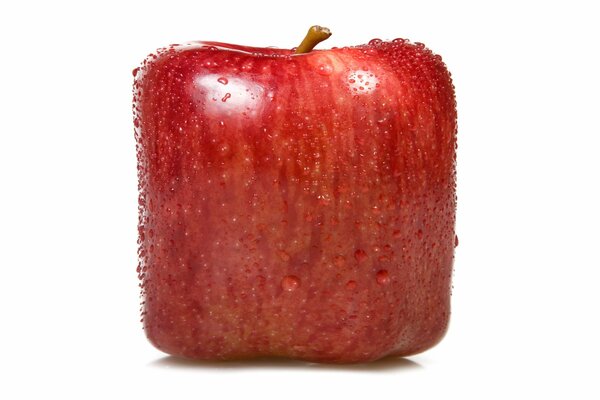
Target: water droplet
{"type": "Point", "coordinates": [375, 42]}
{"type": "Point", "coordinates": [247, 66]}
{"type": "Point", "coordinates": [223, 81]}
{"type": "Point", "coordinates": [360, 255]}
{"type": "Point", "coordinates": [351, 285]}
{"type": "Point", "coordinates": [224, 149]}
{"type": "Point", "coordinates": [419, 234]}
{"type": "Point", "coordinates": [227, 96]}
{"type": "Point", "coordinates": [455, 240]}
{"type": "Point", "coordinates": [382, 277]}
{"type": "Point", "coordinates": [136, 123]}
{"type": "Point", "coordinates": [290, 283]}
{"type": "Point", "coordinates": [325, 69]}
{"type": "Point", "coordinates": [339, 261]}
{"type": "Point", "coordinates": [397, 233]}
{"type": "Point", "coordinates": [283, 255]}
{"type": "Point", "coordinates": [135, 71]}
{"type": "Point", "coordinates": [399, 40]}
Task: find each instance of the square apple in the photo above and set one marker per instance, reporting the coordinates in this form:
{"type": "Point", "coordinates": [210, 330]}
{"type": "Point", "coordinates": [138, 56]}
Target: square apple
{"type": "Point", "coordinates": [295, 205]}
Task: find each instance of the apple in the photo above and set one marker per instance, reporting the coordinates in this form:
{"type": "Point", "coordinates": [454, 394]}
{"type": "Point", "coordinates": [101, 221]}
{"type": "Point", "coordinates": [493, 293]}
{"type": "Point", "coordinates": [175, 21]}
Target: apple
{"type": "Point", "coordinates": [295, 204]}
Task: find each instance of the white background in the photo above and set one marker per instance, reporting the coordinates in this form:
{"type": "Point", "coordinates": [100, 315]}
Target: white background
{"type": "Point", "coordinates": [525, 320]}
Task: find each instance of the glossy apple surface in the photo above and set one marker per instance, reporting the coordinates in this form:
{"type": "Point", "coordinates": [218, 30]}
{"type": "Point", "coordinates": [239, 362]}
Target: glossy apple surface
{"type": "Point", "coordinates": [295, 205]}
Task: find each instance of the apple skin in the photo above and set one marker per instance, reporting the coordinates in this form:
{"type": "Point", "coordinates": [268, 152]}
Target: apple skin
{"type": "Point", "coordinates": [300, 206]}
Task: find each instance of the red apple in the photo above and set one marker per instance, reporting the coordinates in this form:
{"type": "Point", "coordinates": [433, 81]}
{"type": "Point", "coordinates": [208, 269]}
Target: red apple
{"type": "Point", "coordinates": [296, 205]}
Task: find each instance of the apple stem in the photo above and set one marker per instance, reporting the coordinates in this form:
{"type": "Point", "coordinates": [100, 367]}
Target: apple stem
{"type": "Point", "coordinates": [316, 34]}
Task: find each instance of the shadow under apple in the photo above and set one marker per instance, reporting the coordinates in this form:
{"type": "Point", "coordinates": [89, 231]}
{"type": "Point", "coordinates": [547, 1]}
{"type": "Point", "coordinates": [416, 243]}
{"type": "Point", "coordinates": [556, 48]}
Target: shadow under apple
{"type": "Point", "coordinates": [385, 364]}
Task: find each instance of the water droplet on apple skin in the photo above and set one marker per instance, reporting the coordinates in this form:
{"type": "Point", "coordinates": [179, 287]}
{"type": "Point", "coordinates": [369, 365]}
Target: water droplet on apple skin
{"type": "Point", "coordinates": [339, 261]}
{"type": "Point", "coordinates": [283, 255]}
{"type": "Point", "coordinates": [360, 255]}
{"type": "Point", "coordinates": [325, 69]}
{"type": "Point", "coordinates": [223, 81]}
{"type": "Point", "coordinates": [382, 277]}
{"type": "Point", "coordinates": [290, 283]}
{"type": "Point", "coordinates": [261, 280]}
